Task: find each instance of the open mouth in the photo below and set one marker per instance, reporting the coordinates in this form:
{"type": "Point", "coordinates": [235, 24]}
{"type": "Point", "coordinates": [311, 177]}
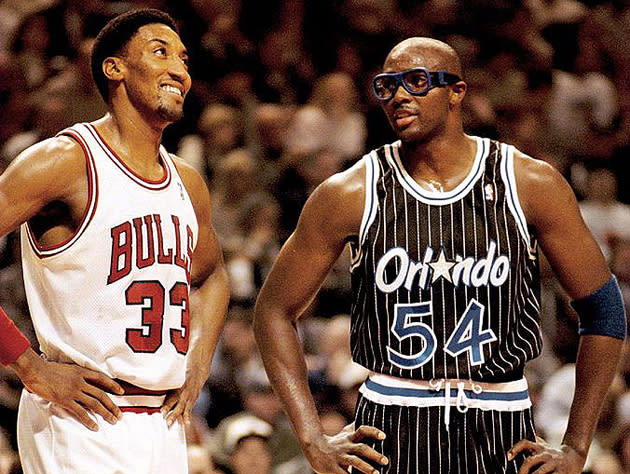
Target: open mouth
{"type": "Point", "coordinates": [172, 90]}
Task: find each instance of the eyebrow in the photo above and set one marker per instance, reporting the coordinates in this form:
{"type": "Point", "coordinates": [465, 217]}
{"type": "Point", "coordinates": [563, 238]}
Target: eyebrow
{"type": "Point", "coordinates": [166, 43]}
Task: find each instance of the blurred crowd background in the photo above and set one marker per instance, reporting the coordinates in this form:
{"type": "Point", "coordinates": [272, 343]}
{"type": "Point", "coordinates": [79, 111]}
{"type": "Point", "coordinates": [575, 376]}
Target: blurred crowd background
{"type": "Point", "coordinates": [280, 101]}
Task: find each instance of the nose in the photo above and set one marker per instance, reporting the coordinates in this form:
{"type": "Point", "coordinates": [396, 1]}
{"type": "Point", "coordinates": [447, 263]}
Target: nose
{"type": "Point", "coordinates": [400, 94]}
{"type": "Point", "coordinates": [177, 69]}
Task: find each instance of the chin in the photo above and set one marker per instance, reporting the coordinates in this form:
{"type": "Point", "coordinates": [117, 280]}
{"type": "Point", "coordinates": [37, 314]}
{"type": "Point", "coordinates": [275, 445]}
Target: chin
{"type": "Point", "coordinates": [417, 135]}
{"type": "Point", "coordinates": [408, 135]}
{"type": "Point", "coordinates": [170, 114]}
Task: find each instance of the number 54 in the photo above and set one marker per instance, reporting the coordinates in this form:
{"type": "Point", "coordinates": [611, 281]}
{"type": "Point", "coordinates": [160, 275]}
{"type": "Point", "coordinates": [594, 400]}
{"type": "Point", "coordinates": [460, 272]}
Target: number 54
{"type": "Point", "coordinates": [466, 337]}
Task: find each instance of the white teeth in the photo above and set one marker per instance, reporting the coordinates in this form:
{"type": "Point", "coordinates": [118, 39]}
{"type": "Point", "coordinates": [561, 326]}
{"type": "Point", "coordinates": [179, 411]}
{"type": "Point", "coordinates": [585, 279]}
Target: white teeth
{"type": "Point", "coordinates": [172, 89]}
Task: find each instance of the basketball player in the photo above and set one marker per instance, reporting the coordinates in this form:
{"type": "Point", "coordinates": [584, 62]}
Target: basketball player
{"type": "Point", "coordinates": [443, 229]}
{"type": "Point", "coordinates": [115, 231]}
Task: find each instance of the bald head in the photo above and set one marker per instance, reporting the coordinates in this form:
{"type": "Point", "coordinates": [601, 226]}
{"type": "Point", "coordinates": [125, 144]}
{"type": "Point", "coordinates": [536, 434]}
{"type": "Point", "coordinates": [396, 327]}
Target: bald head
{"type": "Point", "coordinates": [426, 52]}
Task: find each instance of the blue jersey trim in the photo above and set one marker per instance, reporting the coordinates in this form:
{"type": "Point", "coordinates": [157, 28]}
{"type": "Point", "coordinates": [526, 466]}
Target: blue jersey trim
{"type": "Point", "coordinates": [429, 393]}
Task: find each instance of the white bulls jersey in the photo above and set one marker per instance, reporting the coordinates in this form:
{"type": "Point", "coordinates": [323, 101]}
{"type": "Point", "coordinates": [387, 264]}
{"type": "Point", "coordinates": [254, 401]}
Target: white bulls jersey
{"type": "Point", "coordinates": [114, 297]}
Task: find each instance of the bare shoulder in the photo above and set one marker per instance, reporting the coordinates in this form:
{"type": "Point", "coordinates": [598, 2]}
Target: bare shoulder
{"type": "Point", "coordinates": [193, 181]}
{"type": "Point", "coordinates": [187, 172]}
{"type": "Point", "coordinates": [532, 171]}
{"type": "Point", "coordinates": [346, 184]}
{"type": "Point", "coordinates": [49, 165]}
{"type": "Point", "coordinates": [542, 189]}
{"type": "Point", "coordinates": [61, 150]}
{"type": "Point", "coordinates": [338, 202]}
{"type": "Point", "coordinates": [52, 170]}
{"type": "Point", "coordinates": [195, 185]}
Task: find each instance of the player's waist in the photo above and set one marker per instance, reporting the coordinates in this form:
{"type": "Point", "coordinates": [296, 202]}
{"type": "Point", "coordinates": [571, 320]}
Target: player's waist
{"type": "Point", "coordinates": [151, 380]}
{"type": "Point", "coordinates": [137, 399]}
{"type": "Point", "coordinates": [459, 393]}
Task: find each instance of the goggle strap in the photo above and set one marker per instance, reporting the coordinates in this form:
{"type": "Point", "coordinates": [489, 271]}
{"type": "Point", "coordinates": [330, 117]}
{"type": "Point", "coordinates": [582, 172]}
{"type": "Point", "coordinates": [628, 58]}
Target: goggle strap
{"type": "Point", "coordinates": [441, 80]}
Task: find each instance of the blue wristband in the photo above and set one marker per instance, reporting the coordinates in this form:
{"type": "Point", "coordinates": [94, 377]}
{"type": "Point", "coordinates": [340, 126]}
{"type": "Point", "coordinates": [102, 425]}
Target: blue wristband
{"type": "Point", "coordinates": [602, 312]}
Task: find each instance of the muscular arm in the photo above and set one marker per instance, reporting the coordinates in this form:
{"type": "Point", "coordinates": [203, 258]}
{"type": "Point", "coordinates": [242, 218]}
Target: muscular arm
{"type": "Point", "coordinates": [330, 216]}
{"type": "Point", "coordinates": [208, 303]}
{"type": "Point", "coordinates": [551, 208]}
{"type": "Point", "coordinates": [54, 170]}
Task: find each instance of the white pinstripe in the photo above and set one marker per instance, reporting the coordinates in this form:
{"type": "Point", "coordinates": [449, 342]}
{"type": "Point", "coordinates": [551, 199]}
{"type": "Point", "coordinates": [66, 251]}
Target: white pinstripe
{"type": "Point", "coordinates": [490, 220]}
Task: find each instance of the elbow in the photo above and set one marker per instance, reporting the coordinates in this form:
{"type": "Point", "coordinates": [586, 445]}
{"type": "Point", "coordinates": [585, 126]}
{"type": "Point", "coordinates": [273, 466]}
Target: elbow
{"type": "Point", "coordinates": [260, 323]}
{"type": "Point", "coordinates": [269, 322]}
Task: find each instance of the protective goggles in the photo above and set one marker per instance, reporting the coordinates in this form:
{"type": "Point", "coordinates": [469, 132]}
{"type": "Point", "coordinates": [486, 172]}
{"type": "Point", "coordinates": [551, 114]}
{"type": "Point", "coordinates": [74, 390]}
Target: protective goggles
{"type": "Point", "coordinates": [417, 81]}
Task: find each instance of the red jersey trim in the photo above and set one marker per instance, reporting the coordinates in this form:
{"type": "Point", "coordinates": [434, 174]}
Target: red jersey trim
{"type": "Point", "coordinates": [149, 410]}
{"type": "Point", "coordinates": [44, 251]}
{"type": "Point", "coordinates": [131, 389]}
{"type": "Point", "coordinates": [145, 183]}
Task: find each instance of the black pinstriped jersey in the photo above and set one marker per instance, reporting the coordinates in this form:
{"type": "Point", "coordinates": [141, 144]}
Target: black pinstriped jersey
{"type": "Point", "coordinates": [445, 284]}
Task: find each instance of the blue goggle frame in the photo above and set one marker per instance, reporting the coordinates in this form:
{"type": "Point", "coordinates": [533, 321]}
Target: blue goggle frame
{"type": "Point", "coordinates": [440, 78]}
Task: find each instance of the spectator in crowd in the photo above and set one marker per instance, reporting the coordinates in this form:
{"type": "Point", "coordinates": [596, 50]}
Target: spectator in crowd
{"type": "Point", "coordinates": [300, 174]}
{"type": "Point", "coordinates": [74, 87]}
{"type": "Point", "coordinates": [47, 118]}
{"type": "Point", "coordinates": [257, 246]}
{"type": "Point", "coordinates": [220, 132]}
{"type": "Point", "coordinates": [268, 137]}
{"type": "Point", "coordinates": [621, 448]}
{"type": "Point", "coordinates": [200, 461]}
{"type": "Point", "coordinates": [336, 124]}
{"type": "Point", "coordinates": [9, 461]}
{"type": "Point", "coordinates": [235, 352]}
{"type": "Point", "coordinates": [234, 182]}
{"type": "Point", "coordinates": [583, 102]}
{"type": "Point", "coordinates": [607, 218]}
{"type": "Point", "coordinates": [242, 444]}
{"type": "Point", "coordinates": [31, 47]}
{"type": "Point", "coordinates": [260, 400]}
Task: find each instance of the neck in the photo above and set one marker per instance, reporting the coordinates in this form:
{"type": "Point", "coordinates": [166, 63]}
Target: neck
{"type": "Point", "coordinates": [135, 139]}
{"type": "Point", "coordinates": [441, 158]}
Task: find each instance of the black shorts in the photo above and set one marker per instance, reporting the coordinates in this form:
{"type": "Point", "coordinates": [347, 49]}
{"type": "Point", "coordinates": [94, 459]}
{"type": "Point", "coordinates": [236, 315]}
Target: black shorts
{"type": "Point", "coordinates": [418, 441]}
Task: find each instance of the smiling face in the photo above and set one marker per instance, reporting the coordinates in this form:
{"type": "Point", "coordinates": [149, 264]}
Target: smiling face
{"type": "Point", "coordinates": [154, 67]}
{"type": "Point", "coordinates": [419, 118]}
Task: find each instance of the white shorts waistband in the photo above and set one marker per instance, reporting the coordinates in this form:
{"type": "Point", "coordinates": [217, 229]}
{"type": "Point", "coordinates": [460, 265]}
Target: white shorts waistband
{"type": "Point", "coordinates": [138, 399]}
{"type": "Point", "coordinates": [463, 394]}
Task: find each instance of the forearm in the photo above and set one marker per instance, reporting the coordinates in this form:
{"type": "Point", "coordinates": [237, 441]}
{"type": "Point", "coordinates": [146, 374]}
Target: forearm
{"type": "Point", "coordinates": [284, 361]}
{"type": "Point", "coordinates": [208, 310]}
{"type": "Point", "coordinates": [596, 365]}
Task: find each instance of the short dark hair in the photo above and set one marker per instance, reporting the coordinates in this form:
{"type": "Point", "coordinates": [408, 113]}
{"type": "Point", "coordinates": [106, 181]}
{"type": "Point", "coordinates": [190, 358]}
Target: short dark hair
{"type": "Point", "coordinates": [115, 35]}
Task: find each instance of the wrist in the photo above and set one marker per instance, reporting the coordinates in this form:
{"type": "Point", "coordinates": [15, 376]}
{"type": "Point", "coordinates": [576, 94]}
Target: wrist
{"type": "Point", "coordinates": [310, 440]}
{"type": "Point", "coordinates": [26, 365]}
{"type": "Point", "coordinates": [197, 375]}
{"type": "Point", "coordinates": [577, 448]}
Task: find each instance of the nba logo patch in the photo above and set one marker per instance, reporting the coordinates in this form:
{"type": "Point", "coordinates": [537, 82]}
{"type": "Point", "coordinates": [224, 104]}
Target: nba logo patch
{"type": "Point", "coordinates": [489, 192]}
{"type": "Point", "coordinates": [533, 249]}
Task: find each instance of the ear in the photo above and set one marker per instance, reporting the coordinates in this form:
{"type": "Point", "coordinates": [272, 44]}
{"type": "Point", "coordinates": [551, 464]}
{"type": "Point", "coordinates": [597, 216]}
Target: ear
{"type": "Point", "coordinates": [457, 93]}
{"type": "Point", "coordinates": [113, 68]}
